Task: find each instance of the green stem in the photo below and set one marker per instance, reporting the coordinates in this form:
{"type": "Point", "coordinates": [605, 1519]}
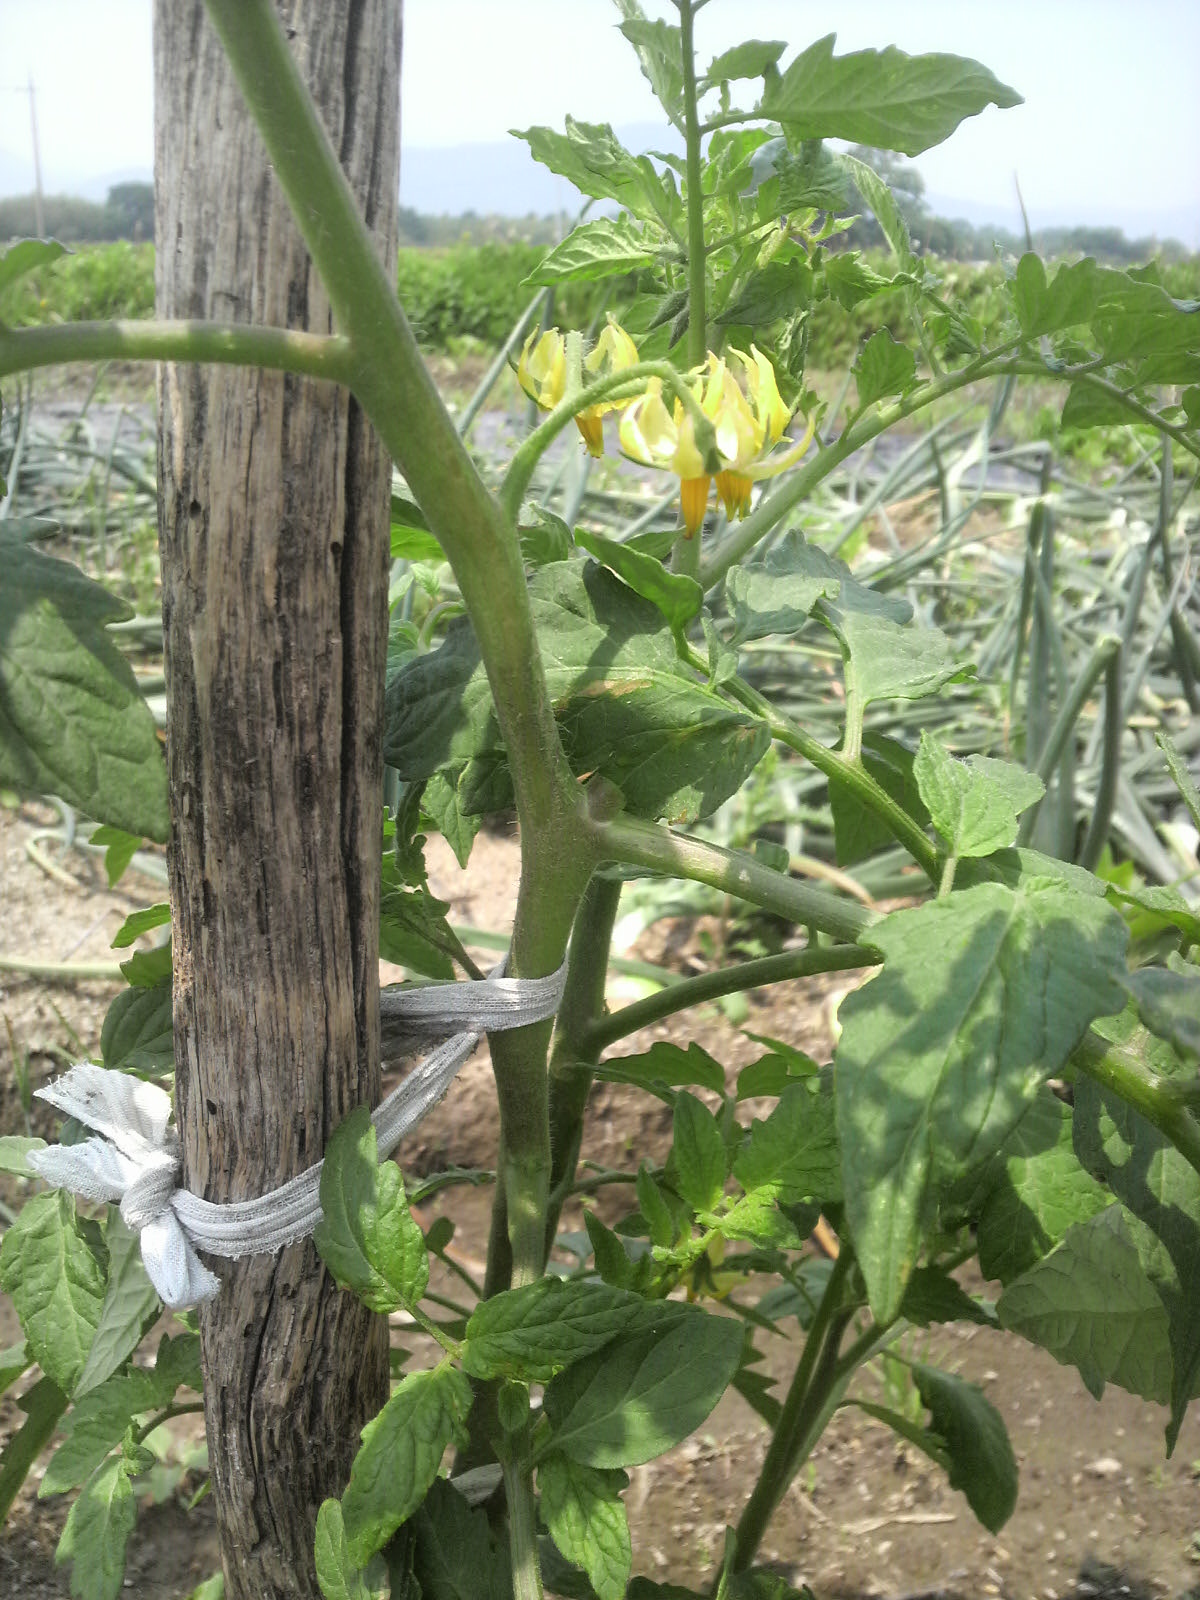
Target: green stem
{"type": "Point", "coordinates": [834, 764]}
{"type": "Point", "coordinates": [574, 1055]}
{"type": "Point", "coordinates": [646, 844]}
{"type": "Point", "coordinates": [397, 393]}
{"type": "Point", "coordinates": [517, 1466]}
{"type": "Point", "coordinates": [187, 1408]}
{"type": "Point", "coordinates": [279, 349]}
{"type": "Point", "coordinates": [697, 291]}
{"type": "Point", "coordinates": [62, 971]}
{"type": "Point", "coordinates": [712, 985]}
{"type": "Point", "coordinates": [685, 555]}
{"type": "Point", "coordinates": [779, 1464]}
{"type": "Point", "coordinates": [1122, 1074]}
{"type": "Point", "coordinates": [626, 384]}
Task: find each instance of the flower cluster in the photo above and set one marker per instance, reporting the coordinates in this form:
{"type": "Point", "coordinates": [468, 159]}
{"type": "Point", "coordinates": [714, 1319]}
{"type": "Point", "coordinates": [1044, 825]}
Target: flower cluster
{"type": "Point", "coordinates": [740, 398]}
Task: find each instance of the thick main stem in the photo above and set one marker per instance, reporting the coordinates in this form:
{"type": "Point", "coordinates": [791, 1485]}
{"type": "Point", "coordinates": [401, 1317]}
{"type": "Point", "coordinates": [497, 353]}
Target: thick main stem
{"type": "Point", "coordinates": [480, 541]}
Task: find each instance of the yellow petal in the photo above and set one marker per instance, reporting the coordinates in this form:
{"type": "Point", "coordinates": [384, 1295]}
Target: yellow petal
{"type": "Point", "coordinates": [542, 369]}
{"type": "Point", "coordinates": [782, 459]}
{"type": "Point", "coordinates": [733, 489]}
{"type": "Point", "coordinates": [693, 502]}
{"type": "Point", "coordinates": [766, 399]}
{"type": "Point", "coordinates": [592, 428]}
{"type": "Point", "coordinates": [647, 428]}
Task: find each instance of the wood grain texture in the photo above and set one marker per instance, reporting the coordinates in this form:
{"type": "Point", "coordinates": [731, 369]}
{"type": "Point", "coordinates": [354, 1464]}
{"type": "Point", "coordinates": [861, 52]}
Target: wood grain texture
{"type": "Point", "coordinates": [274, 531]}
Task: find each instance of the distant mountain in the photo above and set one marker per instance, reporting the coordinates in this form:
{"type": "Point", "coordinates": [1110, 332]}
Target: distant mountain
{"type": "Point", "coordinates": [1176, 222]}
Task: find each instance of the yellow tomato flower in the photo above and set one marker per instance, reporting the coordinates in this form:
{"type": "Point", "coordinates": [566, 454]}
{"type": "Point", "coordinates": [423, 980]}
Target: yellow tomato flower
{"type": "Point", "coordinates": [613, 352]}
{"type": "Point", "coordinates": [542, 373]}
{"type": "Point", "coordinates": [749, 419]}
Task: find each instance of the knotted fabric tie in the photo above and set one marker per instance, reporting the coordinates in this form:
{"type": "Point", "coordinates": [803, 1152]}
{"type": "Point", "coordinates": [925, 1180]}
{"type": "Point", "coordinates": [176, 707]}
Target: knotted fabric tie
{"type": "Point", "coordinates": [135, 1159]}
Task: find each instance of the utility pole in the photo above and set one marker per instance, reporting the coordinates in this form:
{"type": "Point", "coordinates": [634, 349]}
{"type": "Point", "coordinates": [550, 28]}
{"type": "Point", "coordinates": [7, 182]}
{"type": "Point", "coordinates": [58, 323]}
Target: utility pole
{"type": "Point", "coordinates": [38, 210]}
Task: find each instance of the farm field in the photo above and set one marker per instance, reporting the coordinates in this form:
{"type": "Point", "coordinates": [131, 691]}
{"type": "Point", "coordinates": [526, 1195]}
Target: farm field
{"type": "Point", "coordinates": [600, 843]}
{"type": "Point", "coordinates": [1100, 1511]}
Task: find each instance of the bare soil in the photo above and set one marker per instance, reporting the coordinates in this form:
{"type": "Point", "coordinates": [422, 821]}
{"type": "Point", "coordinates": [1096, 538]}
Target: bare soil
{"type": "Point", "coordinates": [1101, 1512]}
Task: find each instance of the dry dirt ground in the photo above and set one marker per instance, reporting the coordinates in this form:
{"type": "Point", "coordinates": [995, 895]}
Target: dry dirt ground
{"type": "Point", "coordinates": [1101, 1512]}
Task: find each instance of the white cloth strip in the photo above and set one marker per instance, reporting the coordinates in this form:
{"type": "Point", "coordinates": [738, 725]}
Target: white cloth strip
{"type": "Point", "coordinates": [135, 1157]}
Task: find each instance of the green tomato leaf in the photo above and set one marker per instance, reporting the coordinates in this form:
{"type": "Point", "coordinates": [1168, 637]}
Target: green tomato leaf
{"type": "Point", "coordinates": [1091, 1305]}
{"type": "Point", "coordinates": [971, 1431]}
{"type": "Point", "coordinates": [887, 213]}
{"type": "Point", "coordinates": [643, 1394]}
{"type": "Point", "coordinates": [627, 707]}
{"type": "Point", "coordinates": [612, 1259]}
{"type": "Point", "coordinates": [665, 1066]}
{"type": "Point", "coordinates": [1036, 1192]}
{"type": "Point", "coordinates": [119, 850]}
{"type": "Point", "coordinates": [139, 922]}
{"type": "Point", "coordinates": [96, 1533]}
{"type": "Point", "coordinates": [51, 1266]}
{"type": "Point", "coordinates": [1162, 902]}
{"type": "Point", "coordinates": [367, 1236]}
{"type": "Point", "coordinates": [27, 255]}
{"type": "Point", "coordinates": [882, 98]}
{"type": "Point", "coordinates": [591, 156]}
{"type": "Point", "coordinates": [772, 1074]}
{"type": "Point", "coordinates": [95, 1425]}
{"type": "Point", "coordinates": [583, 1510]}
{"type": "Point", "coordinates": [780, 289]}
{"type": "Point", "coordinates": [983, 996]}
{"type": "Point", "coordinates": [596, 250]}
{"type": "Point", "coordinates": [660, 53]}
{"type": "Point", "coordinates": [973, 804]}
{"type": "Point", "coordinates": [339, 1577]}
{"type": "Point", "coordinates": [777, 592]}
{"type": "Point", "coordinates": [413, 931]}
{"type": "Point", "coordinates": [1153, 1181]}
{"type": "Point", "coordinates": [1168, 1002]}
{"type": "Point", "coordinates": [677, 596]}
{"type": "Point", "coordinates": [138, 1034]}
{"type": "Point", "coordinates": [401, 1451]}
{"type": "Point", "coordinates": [851, 280]}
{"type": "Point", "coordinates": [456, 1557]}
{"type": "Point", "coordinates": [794, 1153]}
{"type": "Point", "coordinates": [887, 660]}
{"type": "Point", "coordinates": [148, 969]}
{"type": "Point", "coordinates": [14, 1148]}
{"type": "Point", "coordinates": [131, 1306]}
{"type": "Point", "coordinates": [458, 827]}
{"type": "Point", "coordinates": [72, 721]}
{"type": "Point", "coordinates": [883, 368]}
{"type": "Point", "coordinates": [699, 1154]}
{"type": "Point", "coordinates": [533, 1332]}
{"type": "Point", "coordinates": [750, 59]}
{"type": "Point", "coordinates": [933, 1296]}
{"type": "Point", "coordinates": [43, 1405]}
{"type": "Point", "coordinates": [1065, 301]}
{"type": "Point", "coordinates": [858, 832]}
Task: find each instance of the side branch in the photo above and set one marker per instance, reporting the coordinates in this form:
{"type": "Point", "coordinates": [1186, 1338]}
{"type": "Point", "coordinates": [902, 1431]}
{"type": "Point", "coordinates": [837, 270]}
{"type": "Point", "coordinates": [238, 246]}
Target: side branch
{"type": "Point", "coordinates": [233, 344]}
{"type": "Point", "coordinates": [645, 844]}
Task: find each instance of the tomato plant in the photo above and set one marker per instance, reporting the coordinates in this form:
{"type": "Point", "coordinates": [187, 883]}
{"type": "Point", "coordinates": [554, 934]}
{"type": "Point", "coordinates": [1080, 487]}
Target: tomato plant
{"type": "Point", "coordinates": [1015, 1083]}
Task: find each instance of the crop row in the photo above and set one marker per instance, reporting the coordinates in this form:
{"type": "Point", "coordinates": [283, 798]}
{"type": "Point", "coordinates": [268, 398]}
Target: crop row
{"type": "Point", "coordinates": [477, 292]}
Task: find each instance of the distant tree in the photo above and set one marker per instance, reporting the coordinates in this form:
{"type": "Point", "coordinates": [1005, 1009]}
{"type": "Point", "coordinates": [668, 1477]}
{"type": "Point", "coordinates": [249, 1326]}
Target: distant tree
{"type": "Point", "coordinates": [129, 211]}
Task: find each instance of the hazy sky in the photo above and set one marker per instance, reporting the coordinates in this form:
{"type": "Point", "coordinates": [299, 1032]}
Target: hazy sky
{"type": "Point", "coordinates": [1110, 129]}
